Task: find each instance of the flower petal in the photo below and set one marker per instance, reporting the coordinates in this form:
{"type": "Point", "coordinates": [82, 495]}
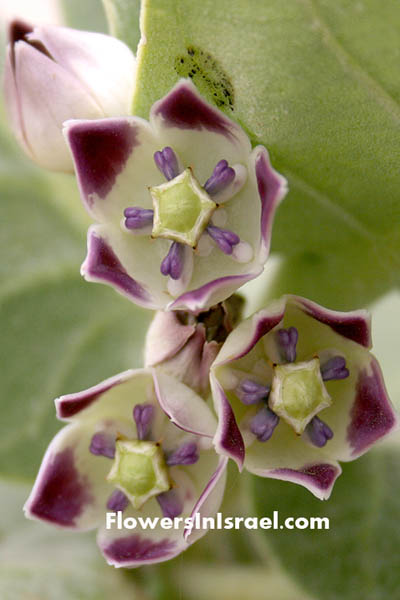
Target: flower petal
{"type": "Point", "coordinates": [372, 415]}
{"type": "Point", "coordinates": [151, 544]}
{"type": "Point", "coordinates": [272, 187]}
{"type": "Point", "coordinates": [48, 95]}
{"type": "Point", "coordinates": [186, 409]}
{"type": "Point", "coordinates": [114, 164]}
{"type": "Point", "coordinates": [165, 337]}
{"type": "Point", "coordinates": [210, 500]}
{"type": "Point", "coordinates": [191, 126]}
{"type": "Point", "coordinates": [211, 293]}
{"type": "Point", "coordinates": [13, 104]}
{"type": "Point", "coordinates": [103, 65]}
{"type": "Point", "coordinates": [246, 335]}
{"type": "Point", "coordinates": [228, 440]}
{"type": "Point", "coordinates": [103, 265]}
{"type": "Point", "coordinates": [319, 478]}
{"type": "Point", "coordinates": [288, 457]}
{"type": "Point", "coordinates": [70, 489]}
{"type": "Point", "coordinates": [354, 325]}
{"type": "Point", "coordinates": [72, 404]}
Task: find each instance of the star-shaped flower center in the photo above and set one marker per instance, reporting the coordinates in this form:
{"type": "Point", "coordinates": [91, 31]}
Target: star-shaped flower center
{"type": "Point", "coordinates": [298, 393]}
{"type": "Point", "coordinates": [182, 209]}
{"type": "Point", "coordinates": [139, 470]}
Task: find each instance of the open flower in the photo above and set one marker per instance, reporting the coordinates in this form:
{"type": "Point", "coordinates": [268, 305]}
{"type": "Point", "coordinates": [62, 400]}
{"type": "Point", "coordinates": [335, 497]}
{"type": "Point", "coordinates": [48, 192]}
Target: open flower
{"type": "Point", "coordinates": [120, 452]}
{"type": "Point", "coordinates": [55, 73]}
{"type": "Point", "coordinates": [297, 390]}
{"type": "Point", "coordinates": [184, 206]}
{"type": "Point", "coordinates": [185, 345]}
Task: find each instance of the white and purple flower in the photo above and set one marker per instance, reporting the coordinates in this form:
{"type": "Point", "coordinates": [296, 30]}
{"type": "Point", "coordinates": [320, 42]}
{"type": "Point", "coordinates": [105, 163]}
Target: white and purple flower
{"type": "Point", "coordinates": [184, 205]}
{"type": "Point", "coordinates": [55, 73]}
{"type": "Point", "coordinates": [120, 452]}
{"type": "Point", "coordinates": [297, 390]}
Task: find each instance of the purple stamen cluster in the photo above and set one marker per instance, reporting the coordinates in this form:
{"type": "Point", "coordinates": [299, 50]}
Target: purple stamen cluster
{"type": "Point", "coordinates": [224, 238]}
{"type": "Point", "coordinates": [172, 264]}
{"type": "Point", "coordinates": [103, 444]}
{"type": "Point", "coordinates": [137, 218]}
{"type": "Point", "coordinates": [117, 501]}
{"type": "Point", "coordinates": [167, 163]}
{"type": "Point", "coordinates": [184, 455]}
{"type": "Point", "coordinates": [221, 177]}
{"type": "Point", "coordinates": [318, 432]}
{"type": "Point", "coordinates": [143, 415]}
{"type": "Point", "coordinates": [334, 368]}
{"type": "Point", "coordinates": [288, 341]}
{"type": "Point", "coordinates": [264, 423]}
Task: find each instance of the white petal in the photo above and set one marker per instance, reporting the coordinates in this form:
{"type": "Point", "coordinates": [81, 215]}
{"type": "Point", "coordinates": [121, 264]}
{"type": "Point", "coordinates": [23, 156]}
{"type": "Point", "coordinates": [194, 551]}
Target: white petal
{"type": "Point", "coordinates": [49, 95]}
{"type": "Point", "coordinates": [104, 66]}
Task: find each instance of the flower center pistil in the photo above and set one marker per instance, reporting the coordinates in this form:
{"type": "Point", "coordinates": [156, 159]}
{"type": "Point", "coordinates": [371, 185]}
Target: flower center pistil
{"type": "Point", "coordinates": [182, 209]}
{"type": "Point", "coordinates": [298, 393]}
{"type": "Point", "coordinates": [139, 470]}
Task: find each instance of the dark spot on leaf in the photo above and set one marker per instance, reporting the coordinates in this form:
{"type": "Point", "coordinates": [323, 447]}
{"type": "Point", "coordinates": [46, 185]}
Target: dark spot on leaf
{"type": "Point", "coordinates": [208, 75]}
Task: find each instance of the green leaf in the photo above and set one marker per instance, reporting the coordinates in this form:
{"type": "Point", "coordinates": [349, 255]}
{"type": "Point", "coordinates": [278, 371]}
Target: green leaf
{"type": "Point", "coordinates": [357, 558]}
{"type": "Point", "coordinates": [317, 83]}
{"type": "Point", "coordinates": [42, 562]}
{"type": "Point", "coordinates": [59, 333]}
{"type": "Point", "coordinates": [123, 20]}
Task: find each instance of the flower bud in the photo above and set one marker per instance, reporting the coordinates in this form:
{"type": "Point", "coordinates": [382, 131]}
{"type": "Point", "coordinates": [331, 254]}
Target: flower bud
{"type": "Point", "coordinates": [53, 74]}
{"type": "Point", "coordinates": [185, 345]}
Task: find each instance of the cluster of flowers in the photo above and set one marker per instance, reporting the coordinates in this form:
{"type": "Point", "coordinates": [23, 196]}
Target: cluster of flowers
{"type": "Point", "coordinates": [184, 209]}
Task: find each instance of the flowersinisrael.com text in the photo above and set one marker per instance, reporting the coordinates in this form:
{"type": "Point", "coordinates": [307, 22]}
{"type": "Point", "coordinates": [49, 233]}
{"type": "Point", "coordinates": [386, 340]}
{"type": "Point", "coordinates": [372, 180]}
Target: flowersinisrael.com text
{"type": "Point", "coordinates": [116, 520]}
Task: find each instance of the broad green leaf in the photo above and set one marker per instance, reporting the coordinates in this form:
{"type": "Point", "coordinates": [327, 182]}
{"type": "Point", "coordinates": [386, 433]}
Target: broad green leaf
{"type": "Point", "coordinates": [37, 561]}
{"type": "Point", "coordinates": [59, 334]}
{"type": "Point", "coordinates": [357, 558]}
{"type": "Point", "coordinates": [317, 83]}
{"type": "Point", "coordinates": [123, 19]}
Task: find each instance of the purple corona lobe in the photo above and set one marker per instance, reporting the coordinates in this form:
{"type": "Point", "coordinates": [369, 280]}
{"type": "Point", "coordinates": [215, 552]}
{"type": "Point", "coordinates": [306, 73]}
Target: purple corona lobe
{"type": "Point", "coordinates": [170, 504]}
{"type": "Point", "coordinates": [263, 424]}
{"type": "Point", "coordinates": [251, 392]}
{"type": "Point", "coordinates": [221, 177]}
{"type": "Point", "coordinates": [182, 108]}
{"type": "Point", "coordinates": [318, 432]}
{"type": "Point", "coordinates": [225, 239]}
{"type": "Point", "coordinates": [371, 416]}
{"type": "Point", "coordinates": [334, 368]}
{"type": "Point", "coordinates": [288, 341]}
{"type": "Point", "coordinates": [103, 444]}
{"type": "Point", "coordinates": [137, 218]}
{"type": "Point", "coordinates": [143, 415]}
{"type": "Point", "coordinates": [61, 494]}
{"type": "Point", "coordinates": [167, 163]}
{"type": "Point", "coordinates": [184, 455]}
{"type": "Point", "coordinates": [172, 264]}
{"type": "Point", "coordinates": [117, 501]}
{"type": "Point", "coordinates": [100, 150]}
